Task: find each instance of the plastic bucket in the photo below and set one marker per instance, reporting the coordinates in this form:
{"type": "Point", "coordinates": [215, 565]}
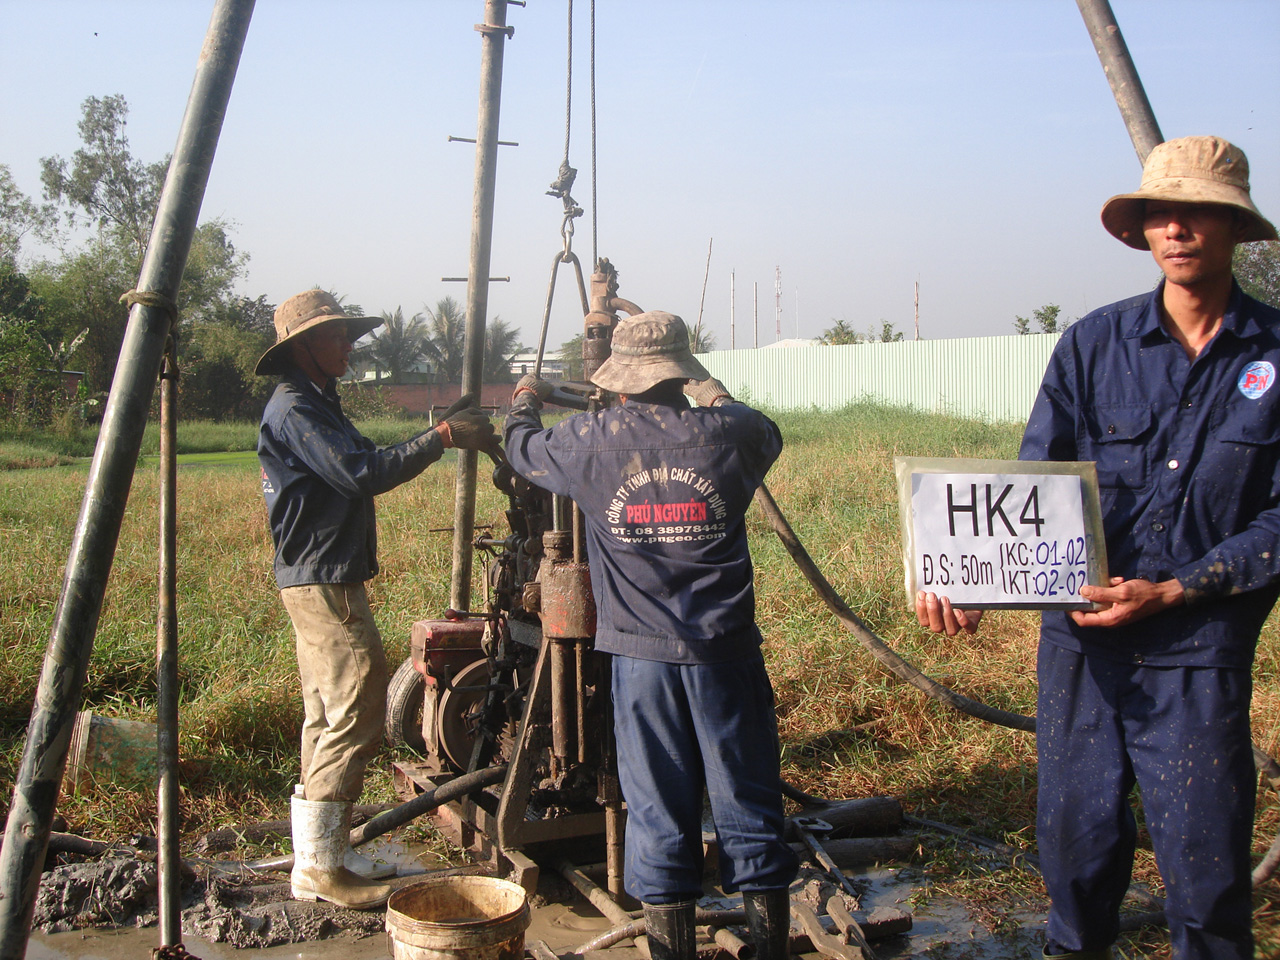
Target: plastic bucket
{"type": "Point", "coordinates": [107, 750]}
{"type": "Point", "coordinates": [458, 918]}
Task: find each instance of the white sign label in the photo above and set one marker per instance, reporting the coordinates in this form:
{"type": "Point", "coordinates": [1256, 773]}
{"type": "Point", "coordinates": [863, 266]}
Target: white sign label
{"type": "Point", "coordinates": [988, 540]}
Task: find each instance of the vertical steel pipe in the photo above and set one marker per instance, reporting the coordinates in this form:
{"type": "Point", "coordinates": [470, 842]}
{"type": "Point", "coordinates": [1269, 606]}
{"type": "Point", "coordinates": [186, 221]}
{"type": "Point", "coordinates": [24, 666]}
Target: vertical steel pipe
{"type": "Point", "coordinates": [169, 862]}
{"type": "Point", "coordinates": [1126, 86]}
{"type": "Point", "coordinates": [564, 687]}
{"type": "Point", "coordinates": [93, 545]}
{"type": "Point", "coordinates": [493, 32]}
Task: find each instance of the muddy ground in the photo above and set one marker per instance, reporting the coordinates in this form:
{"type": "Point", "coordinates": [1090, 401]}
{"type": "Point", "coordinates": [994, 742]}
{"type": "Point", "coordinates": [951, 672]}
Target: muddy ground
{"type": "Point", "coordinates": [107, 909]}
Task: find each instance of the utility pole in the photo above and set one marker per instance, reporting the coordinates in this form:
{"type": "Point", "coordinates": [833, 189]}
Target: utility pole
{"type": "Point", "coordinates": [777, 303]}
{"type": "Point", "coordinates": [755, 311]}
{"type": "Point", "coordinates": [732, 318]}
{"type": "Point", "coordinates": [917, 309]}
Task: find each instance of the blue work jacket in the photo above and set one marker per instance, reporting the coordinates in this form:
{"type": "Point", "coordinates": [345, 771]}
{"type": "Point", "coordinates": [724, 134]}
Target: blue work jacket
{"type": "Point", "coordinates": [319, 478]}
{"type": "Point", "coordinates": [1188, 459]}
{"type": "Point", "coordinates": [664, 490]}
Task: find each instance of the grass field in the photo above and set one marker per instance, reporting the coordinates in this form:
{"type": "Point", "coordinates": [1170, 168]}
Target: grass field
{"type": "Point", "coordinates": [848, 728]}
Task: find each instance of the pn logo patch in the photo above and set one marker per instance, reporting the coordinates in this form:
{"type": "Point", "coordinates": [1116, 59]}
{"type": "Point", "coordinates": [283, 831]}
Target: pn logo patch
{"type": "Point", "coordinates": [1256, 379]}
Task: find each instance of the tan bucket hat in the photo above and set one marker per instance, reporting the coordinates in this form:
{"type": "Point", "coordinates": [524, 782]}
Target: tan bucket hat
{"type": "Point", "coordinates": [1188, 170]}
{"type": "Point", "coordinates": [304, 312]}
{"type": "Point", "coordinates": [647, 349]}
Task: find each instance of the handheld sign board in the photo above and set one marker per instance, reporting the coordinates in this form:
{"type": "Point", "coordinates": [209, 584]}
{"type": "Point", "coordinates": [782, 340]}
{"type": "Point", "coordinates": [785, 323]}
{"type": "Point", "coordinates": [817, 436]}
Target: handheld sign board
{"type": "Point", "coordinates": [993, 534]}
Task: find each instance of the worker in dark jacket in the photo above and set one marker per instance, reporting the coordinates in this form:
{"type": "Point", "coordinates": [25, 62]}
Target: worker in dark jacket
{"type": "Point", "coordinates": [664, 488]}
{"type": "Point", "coordinates": [319, 478]}
{"type": "Point", "coordinates": [1173, 395]}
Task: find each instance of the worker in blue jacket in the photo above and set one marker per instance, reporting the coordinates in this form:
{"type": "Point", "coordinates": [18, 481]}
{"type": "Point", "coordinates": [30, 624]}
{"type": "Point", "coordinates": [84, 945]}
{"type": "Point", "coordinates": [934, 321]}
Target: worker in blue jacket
{"type": "Point", "coordinates": [319, 478]}
{"type": "Point", "coordinates": [664, 488]}
{"type": "Point", "coordinates": [1173, 395]}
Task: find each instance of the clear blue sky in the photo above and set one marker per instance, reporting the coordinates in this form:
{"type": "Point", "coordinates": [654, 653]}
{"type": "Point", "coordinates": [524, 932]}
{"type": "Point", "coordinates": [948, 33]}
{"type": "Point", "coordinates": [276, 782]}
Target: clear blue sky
{"type": "Point", "coordinates": [858, 146]}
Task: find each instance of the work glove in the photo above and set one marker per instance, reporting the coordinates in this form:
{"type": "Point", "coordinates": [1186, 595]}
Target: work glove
{"type": "Point", "coordinates": [464, 401]}
{"type": "Point", "coordinates": [468, 429]}
{"type": "Point", "coordinates": [530, 382]}
{"type": "Point", "coordinates": [707, 393]}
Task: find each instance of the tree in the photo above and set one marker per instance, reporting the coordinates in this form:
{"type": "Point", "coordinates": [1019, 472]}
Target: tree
{"type": "Point", "coordinates": [104, 181]}
{"type": "Point", "coordinates": [887, 334]}
{"type": "Point", "coordinates": [1257, 268]}
{"type": "Point", "coordinates": [106, 186]}
{"type": "Point", "coordinates": [397, 346]}
{"type": "Point", "coordinates": [701, 340]}
{"type": "Point", "coordinates": [18, 216]}
{"type": "Point", "coordinates": [250, 315]}
{"type": "Point", "coordinates": [839, 334]}
{"type": "Point", "coordinates": [217, 381]}
{"type": "Point", "coordinates": [446, 340]}
{"type": "Point", "coordinates": [22, 381]}
{"type": "Point", "coordinates": [1046, 317]}
{"type": "Point", "coordinates": [83, 290]}
{"type": "Point", "coordinates": [501, 344]}
{"type": "Point", "coordinates": [571, 358]}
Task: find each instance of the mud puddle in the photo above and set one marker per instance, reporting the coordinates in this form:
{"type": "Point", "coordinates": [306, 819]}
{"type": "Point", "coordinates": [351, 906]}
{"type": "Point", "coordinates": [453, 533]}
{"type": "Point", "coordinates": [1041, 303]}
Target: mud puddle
{"type": "Point", "coordinates": [262, 919]}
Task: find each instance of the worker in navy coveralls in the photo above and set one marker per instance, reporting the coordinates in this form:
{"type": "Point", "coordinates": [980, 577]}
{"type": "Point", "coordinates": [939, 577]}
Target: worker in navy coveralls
{"type": "Point", "coordinates": [1173, 394]}
{"type": "Point", "coordinates": [664, 488]}
{"type": "Point", "coordinates": [319, 478]}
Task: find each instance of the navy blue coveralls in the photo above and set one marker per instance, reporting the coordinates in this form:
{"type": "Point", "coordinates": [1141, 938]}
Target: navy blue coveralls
{"type": "Point", "coordinates": [1188, 459]}
{"type": "Point", "coordinates": [664, 490]}
{"type": "Point", "coordinates": [319, 477]}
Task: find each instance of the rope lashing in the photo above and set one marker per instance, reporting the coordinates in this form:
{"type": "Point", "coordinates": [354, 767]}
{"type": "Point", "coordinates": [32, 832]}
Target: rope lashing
{"type": "Point", "coordinates": [151, 298]}
{"type": "Point", "coordinates": [158, 301]}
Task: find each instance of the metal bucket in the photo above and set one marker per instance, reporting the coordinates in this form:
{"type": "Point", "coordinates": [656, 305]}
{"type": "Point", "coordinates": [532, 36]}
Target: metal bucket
{"type": "Point", "coordinates": [458, 918]}
{"type": "Point", "coordinates": [107, 750]}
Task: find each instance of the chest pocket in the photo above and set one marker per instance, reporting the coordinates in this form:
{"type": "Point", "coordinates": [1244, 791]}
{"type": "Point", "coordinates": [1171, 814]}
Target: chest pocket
{"type": "Point", "coordinates": [1119, 440]}
{"type": "Point", "coordinates": [1247, 432]}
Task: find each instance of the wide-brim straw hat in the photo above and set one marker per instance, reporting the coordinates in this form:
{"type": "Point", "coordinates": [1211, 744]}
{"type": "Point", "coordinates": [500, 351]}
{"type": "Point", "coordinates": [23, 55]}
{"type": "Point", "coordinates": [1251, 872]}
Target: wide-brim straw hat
{"type": "Point", "coordinates": [304, 312]}
{"type": "Point", "coordinates": [647, 349]}
{"type": "Point", "coordinates": [1188, 170]}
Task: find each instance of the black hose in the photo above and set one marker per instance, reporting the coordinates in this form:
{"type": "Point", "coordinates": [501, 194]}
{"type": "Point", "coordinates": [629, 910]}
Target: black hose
{"type": "Point", "coordinates": [426, 802]}
{"type": "Point", "coordinates": [874, 645]}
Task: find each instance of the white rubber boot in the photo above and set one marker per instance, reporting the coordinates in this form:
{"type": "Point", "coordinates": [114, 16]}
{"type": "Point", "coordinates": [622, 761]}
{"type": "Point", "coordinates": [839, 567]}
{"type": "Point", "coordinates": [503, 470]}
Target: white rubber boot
{"type": "Point", "coordinates": [320, 842]}
{"type": "Point", "coordinates": [353, 860]}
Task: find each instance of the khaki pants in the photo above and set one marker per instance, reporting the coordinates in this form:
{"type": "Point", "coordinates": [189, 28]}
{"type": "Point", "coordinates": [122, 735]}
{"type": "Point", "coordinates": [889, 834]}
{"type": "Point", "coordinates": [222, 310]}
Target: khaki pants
{"type": "Point", "coordinates": [344, 686]}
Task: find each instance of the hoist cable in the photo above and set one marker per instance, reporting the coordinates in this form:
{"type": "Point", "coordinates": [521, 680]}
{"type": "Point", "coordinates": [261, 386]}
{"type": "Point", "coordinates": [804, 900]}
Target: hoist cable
{"type": "Point", "coordinates": [595, 216]}
{"type": "Point", "coordinates": [568, 84]}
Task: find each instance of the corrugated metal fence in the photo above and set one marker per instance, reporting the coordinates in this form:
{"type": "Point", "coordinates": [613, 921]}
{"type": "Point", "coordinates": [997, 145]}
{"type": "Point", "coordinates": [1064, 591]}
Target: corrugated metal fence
{"type": "Point", "coordinates": [983, 378]}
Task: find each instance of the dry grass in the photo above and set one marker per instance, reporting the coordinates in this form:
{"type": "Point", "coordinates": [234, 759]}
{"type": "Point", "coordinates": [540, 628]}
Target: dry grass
{"type": "Point", "coordinates": [848, 729]}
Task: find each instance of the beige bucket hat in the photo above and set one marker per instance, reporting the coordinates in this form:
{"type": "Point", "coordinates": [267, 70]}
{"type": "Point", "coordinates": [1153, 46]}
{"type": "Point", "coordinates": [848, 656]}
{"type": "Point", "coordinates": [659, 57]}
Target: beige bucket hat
{"type": "Point", "coordinates": [1188, 170]}
{"type": "Point", "coordinates": [647, 349]}
{"type": "Point", "coordinates": [304, 312]}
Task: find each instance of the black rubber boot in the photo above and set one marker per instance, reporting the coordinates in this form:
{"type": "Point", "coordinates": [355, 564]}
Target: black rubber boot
{"type": "Point", "coordinates": [769, 918]}
{"type": "Point", "coordinates": [670, 929]}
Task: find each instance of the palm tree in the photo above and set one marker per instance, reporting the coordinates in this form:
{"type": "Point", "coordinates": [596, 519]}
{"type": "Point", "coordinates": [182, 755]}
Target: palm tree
{"type": "Point", "coordinates": [840, 334]}
{"type": "Point", "coordinates": [501, 344]}
{"type": "Point", "coordinates": [397, 345]}
{"type": "Point", "coordinates": [701, 340]}
{"type": "Point", "coordinates": [446, 336]}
